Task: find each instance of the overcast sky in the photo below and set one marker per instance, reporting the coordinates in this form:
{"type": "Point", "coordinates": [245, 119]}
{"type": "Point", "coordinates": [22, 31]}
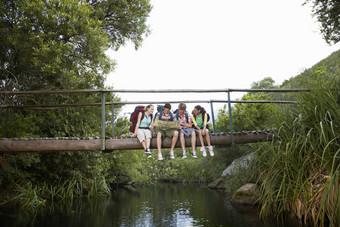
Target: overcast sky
{"type": "Point", "coordinates": [196, 44]}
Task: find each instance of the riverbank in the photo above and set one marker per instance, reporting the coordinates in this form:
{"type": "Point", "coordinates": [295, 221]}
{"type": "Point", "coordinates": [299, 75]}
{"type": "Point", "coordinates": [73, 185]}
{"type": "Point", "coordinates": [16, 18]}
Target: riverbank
{"type": "Point", "coordinates": [146, 205]}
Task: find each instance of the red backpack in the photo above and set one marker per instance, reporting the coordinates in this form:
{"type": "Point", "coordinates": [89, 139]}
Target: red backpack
{"type": "Point", "coordinates": [134, 117]}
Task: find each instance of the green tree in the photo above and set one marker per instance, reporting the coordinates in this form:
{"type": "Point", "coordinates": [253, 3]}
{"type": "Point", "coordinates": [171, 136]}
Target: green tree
{"type": "Point", "coordinates": [56, 45]}
{"type": "Point", "coordinates": [266, 82]}
{"type": "Point", "coordinates": [249, 116]}
{"type": "Point", "coordinates": [328, 14]}
{"type": "Point", "coordinates": [61, 45]}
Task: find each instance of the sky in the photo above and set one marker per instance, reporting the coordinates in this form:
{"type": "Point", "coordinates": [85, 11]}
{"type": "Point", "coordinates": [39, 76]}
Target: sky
{"type": "Point", "coordinates": [218, 44]}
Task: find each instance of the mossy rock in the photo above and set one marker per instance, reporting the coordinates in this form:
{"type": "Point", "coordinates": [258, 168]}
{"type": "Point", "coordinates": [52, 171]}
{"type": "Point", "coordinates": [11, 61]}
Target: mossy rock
{"type": "Point", "coordinates": [247, 194]}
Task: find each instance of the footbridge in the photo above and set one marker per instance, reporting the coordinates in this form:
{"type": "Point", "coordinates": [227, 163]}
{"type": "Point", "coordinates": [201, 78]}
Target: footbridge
{"type": "Point", "coordinates": [60, 144]}
{"type": "Point", "coordinates": [106, 144]}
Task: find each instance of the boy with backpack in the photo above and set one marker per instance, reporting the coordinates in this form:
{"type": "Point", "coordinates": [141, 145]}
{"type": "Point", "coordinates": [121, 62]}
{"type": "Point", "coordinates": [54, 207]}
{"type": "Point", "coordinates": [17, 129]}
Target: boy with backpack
{"type": "Point", "coordinates": [165, 115]}
{"type": "Point", "coordinates": [186, 129]}
{"type": "Point", "coordinates": [200, 119]}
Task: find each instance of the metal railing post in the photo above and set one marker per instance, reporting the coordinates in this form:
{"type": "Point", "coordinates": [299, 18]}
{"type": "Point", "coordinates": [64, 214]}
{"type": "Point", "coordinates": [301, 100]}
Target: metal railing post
{"type": "Point", "coordinates": [230, 119]}
{"type": "Point", "coordinates": [113, 120]}
{"type": "Point", "coordinates": [6, 123]}
{"type": "Point", "coordinates": [212, 115]}
{"type": "Point", "coordinates": [103, 122]}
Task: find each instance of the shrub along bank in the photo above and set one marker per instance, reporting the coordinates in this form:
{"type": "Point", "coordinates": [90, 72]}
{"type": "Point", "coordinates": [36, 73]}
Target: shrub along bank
{"type": "Point", "coordinates": [33, 180]}
{"type": "Point", "coordinates": [299, 170]}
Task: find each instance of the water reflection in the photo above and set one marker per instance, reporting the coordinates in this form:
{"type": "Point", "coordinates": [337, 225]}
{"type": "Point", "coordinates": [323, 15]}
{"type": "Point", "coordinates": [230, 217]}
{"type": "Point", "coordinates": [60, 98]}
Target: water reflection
{"type": "Point", "coordinates": [150, 205]}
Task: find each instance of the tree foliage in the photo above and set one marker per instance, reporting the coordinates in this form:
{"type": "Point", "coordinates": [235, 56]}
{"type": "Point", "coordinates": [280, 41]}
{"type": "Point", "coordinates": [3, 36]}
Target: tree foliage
{"type": "Point", "coordinates": [52, 45]}
{"type": "Point", "coordinates": [61, 44]}
{"type": "Point", "coordinates": [328, 14]}
{"type": "Point", "coordinates": [56, 45]}
{"type": "Point", "coordinates": [249, 116]}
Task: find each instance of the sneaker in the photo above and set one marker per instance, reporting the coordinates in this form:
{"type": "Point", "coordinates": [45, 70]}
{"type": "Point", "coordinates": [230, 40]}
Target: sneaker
{"type": "Point", "coordinates": [211, 152]}
{"type": "Point", "coordinates": [160, 157]}
{"type": "Point", "coordinates": [172, 154]}
{"type": "Point", "coordinates": [184, 155]}
{"type": "Point", "coordinates": [204, 153]}
{"type": "Point", "coordinates": [147, 151]}
{"type": "Point", "coordinates": [149, 156]}
{"type": "Point", "coordinates": [194, 154]}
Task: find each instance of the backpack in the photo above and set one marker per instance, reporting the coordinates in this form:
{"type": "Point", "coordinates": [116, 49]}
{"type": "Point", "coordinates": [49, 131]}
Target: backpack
{"type": "Point", "coordinates": [208, 117]}
{"type": "Point", "coordinates": [160, 109]}
{"type": "Point", "coordinates": [134, 117]}
{"type": "Point", "coordinates": [186, 115]}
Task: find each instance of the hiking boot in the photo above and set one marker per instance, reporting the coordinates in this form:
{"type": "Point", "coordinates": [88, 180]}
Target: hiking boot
{"type": "Point", "coordinates": [211, 152]}
{"type": "Point", "coordinates": [194, 154]}
{"type": "Point", "coordinates": [204, 152]}
{"type": "Point", "coordinates": [172, 154]}
{"type": "Point", "coordinates": [160, 157]}
{"type": "Point", "coordinates": [184, 155]}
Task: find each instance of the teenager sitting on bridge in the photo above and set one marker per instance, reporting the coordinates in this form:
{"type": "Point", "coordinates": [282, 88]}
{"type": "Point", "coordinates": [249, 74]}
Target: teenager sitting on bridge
{"type": "Point", "coordinates": [186, 129]}
{"type": "Point", "coordinates": [142, 130]}
{"type": "Point", "coordinates": [166, 115]}
{"type": "Point", "coordinates": [199, 119]}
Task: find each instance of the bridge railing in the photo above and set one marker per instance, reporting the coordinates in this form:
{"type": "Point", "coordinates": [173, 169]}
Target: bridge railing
{"type": "Point", "coordinates": [104, 103]}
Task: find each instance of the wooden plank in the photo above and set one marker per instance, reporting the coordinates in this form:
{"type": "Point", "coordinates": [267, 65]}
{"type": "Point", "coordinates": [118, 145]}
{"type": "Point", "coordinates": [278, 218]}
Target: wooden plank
{"type": "Point", "coordinates": [58, 145]}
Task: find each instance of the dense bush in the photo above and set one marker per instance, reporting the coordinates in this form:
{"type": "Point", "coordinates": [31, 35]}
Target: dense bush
{"type": "Point", "coordinates": [299, 172]}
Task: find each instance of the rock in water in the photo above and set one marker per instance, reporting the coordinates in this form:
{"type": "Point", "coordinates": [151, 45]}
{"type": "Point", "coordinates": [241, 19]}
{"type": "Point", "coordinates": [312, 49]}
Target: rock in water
{"type": "Point", "coordinates": [240, 162]}
{"type": "Point", "coordinates": [218, 184]}
{"type": "Point", "coordinates": [247, 194]}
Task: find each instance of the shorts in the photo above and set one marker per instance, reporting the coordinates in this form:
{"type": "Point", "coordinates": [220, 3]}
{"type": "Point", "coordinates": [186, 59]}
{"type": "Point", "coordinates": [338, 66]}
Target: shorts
{"type": "Point", "coordinates": [187, 131]}
{"type": "Point", "coordinates": [143, 134]}
{"type": "Point", "coordinates": [168, 133]}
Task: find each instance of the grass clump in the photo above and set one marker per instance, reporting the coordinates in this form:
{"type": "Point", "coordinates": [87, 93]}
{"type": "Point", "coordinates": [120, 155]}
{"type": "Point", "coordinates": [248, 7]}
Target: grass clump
{"type": "Point", "coordinates": [299, 172]}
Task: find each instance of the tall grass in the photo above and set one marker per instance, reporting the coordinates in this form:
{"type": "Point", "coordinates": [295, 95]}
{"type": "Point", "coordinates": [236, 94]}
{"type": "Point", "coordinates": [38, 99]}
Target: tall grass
{"type": "Point", "coordinates": [29, 196]}
{"type": "Point", "coordinates": [299, 172]}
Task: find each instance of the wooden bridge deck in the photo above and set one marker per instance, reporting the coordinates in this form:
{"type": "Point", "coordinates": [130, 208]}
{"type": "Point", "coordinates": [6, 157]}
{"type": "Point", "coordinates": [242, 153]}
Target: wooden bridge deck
{"type": "Point", "coordinates": [60, 144]}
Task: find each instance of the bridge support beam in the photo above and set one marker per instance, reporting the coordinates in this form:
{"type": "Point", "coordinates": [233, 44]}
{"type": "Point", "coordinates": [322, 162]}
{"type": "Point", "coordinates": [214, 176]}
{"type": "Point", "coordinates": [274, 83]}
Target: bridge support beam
{"type": "Point", "coordinates": [91, 144]}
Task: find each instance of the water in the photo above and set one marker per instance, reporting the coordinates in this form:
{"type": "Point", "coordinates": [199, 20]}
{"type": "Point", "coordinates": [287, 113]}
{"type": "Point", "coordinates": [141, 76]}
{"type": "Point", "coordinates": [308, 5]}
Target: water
{"type": "Point", "coordinates": [150, 205]}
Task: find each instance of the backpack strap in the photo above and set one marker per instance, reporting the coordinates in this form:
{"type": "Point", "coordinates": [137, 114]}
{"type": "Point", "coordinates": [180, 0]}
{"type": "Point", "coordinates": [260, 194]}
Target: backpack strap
{"type": "Point", "coordinates": [161, 114]}
{"type": "Point", "coordinates": [143, 114]}
{"type": "Point", "coordinates": [186, 116]}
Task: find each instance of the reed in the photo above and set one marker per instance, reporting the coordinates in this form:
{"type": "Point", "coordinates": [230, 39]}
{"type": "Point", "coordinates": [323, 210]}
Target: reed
{"type": "Point", "coordinates": [98, 186]}
{"type": "Point", "coordinates": [299, 172]}
{"type": "Point", "coordinates": [30, 196]}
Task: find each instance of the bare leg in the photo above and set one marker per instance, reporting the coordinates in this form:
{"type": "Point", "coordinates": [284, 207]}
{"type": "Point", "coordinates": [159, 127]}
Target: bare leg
{"type": "Point", "coordinates": [159, 142]}
{"type": "Point", "coordinates": [207, 137]}
{"type": "Point", "coordinates": [193, 141]}
{"type": "Point", "coordinates": [144, 144]}
{"type": "Point", "coordinates": [148, 143]}
{"type": "Point", "coordinates": [200, 138]}
{"type": "Point", "coordinates": [174, 140]}
{"type": "Point", "coordinates": [182, 140]}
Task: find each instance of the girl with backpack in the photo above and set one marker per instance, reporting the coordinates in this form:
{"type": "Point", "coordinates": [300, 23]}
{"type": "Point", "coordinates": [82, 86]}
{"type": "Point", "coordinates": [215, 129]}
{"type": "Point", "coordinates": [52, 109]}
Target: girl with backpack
{"type": "Point", "coordinates": [143, 129]}
{"type": "Point", "coordinates": [199, 119]}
